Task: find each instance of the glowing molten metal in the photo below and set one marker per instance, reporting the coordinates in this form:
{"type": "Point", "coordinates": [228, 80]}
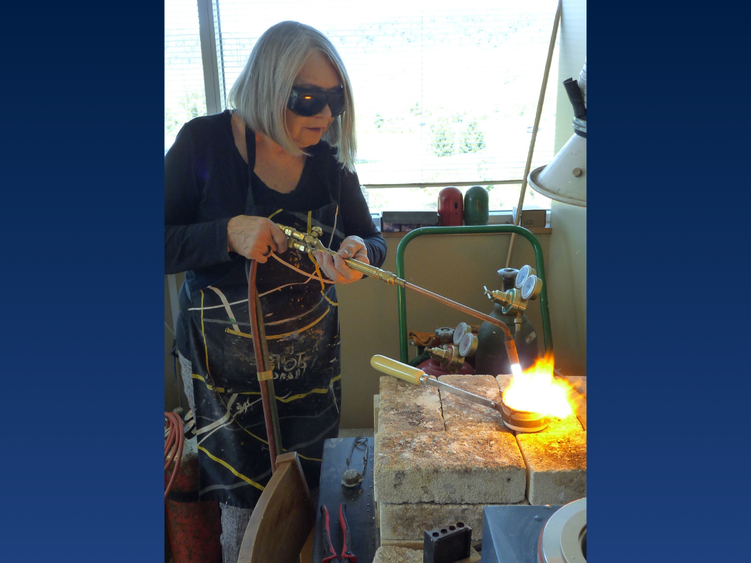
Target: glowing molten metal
{"type": "Point", "coordinates": [536, 390]}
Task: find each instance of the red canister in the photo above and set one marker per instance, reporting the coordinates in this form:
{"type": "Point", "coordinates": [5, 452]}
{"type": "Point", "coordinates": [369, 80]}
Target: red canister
{"type": "Point", "coordinates": [450, 208]}
{"type": "Point", "coordinates": [194, 527]}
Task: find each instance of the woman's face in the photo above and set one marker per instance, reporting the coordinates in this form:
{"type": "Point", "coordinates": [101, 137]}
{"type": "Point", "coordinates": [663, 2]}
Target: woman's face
{"type": "Point", "coordinates": [320, 73]}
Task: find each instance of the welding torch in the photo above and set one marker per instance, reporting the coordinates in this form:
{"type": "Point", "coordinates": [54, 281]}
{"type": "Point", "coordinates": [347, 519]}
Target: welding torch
{"type": "Point", "coordinates": [310, 242]}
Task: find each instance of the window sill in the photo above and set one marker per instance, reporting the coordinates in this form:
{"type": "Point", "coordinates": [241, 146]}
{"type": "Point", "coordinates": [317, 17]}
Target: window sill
{"type": "Point", "coordinates": [534, 230]}
{"type": "Point", "coordinates": [496, 218]}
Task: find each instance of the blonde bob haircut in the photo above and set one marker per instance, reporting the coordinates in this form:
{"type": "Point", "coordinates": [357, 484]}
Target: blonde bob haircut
{"type": "Point", "coordinates": [263, 87]}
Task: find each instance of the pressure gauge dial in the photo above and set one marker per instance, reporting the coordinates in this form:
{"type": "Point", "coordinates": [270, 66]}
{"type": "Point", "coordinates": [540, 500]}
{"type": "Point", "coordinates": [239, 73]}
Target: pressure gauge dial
{"type": "Point", "coordinates": [524, 273]}
{"type": "Point", "coordinates": [532, 287]}
{"type": "Point", "coordinates": [459, 332]}
{"type": "Point", "coordinates": [468, 345]}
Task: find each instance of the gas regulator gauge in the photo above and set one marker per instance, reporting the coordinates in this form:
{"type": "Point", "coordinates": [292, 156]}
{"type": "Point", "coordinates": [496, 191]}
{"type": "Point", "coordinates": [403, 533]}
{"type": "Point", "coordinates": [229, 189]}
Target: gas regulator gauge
{"type": "Point", "coordinates": [532, 287]}
{"type": "Point", "coordinates": [524, 273]}
{"type": "Point", "coordinates": [468, 345]}
{"type": "Point", "coordinates": [459, 332]}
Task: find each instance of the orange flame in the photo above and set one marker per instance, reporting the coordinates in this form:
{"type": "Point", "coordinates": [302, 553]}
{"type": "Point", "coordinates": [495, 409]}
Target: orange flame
{"type": "Point", "coordinates": [536, 390]}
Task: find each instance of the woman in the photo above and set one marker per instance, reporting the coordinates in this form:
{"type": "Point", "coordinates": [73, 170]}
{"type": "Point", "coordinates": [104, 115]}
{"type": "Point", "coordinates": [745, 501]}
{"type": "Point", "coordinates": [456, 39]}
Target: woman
{"type": "Point", "coordinates": [284, 154]}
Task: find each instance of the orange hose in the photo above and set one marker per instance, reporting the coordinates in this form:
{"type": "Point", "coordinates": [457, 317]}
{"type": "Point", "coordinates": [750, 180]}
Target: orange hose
{"type": "Point", "coordinates": [175, 441]}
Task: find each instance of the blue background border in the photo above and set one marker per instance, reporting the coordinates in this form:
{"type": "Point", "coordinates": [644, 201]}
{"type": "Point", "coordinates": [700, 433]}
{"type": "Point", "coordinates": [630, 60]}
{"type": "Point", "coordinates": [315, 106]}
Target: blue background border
{"type": "Point", "coordinates": [667, 315]}
{"type": "Point", "coordinates": [82, 178]}
{"type": "Point", "coordinates": [82, 278]}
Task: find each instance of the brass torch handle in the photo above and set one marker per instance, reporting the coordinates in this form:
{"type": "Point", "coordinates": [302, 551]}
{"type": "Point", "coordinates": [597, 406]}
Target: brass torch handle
{"type": "Point", "coordinates": [374, 272]}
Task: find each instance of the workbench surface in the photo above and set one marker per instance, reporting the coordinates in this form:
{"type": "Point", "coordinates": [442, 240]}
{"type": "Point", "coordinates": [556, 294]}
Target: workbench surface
{"type": "Point", "coordinates": [359, 500]}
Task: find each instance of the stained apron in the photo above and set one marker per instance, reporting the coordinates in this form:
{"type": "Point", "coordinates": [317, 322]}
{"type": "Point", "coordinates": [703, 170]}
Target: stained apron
{"type": "Point", "coordinates": [302, 333]}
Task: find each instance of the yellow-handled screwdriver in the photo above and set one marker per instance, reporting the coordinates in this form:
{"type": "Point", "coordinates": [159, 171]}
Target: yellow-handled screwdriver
{"type": "Point", "coordinates": [414, 375]}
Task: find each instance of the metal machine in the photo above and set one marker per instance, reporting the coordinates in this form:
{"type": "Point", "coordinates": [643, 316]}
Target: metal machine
{"type": "Point", "coordinates": [535, 534]}
{"type": "Point", "coordinates": [524, 349]}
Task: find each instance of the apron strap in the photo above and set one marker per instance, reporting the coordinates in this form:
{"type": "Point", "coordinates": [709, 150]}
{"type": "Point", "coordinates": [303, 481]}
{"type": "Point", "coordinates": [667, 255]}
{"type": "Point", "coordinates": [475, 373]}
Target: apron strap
{"type": "Point", "coordinates": [250, 149]}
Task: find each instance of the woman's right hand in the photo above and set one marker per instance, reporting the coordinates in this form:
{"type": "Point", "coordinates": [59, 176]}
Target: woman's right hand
{"type": "Point", "coordinates": [255, 237]}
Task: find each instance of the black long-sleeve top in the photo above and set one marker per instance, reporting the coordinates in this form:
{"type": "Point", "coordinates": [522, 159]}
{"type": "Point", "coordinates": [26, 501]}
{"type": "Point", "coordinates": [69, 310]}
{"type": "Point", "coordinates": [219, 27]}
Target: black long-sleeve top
{"type": "Point", "coordinates": [206, 184]}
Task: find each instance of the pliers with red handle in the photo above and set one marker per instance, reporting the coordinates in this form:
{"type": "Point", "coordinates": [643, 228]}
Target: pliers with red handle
{"type": "Point", "coordinates": [347, 554]}
{"type": "Point", "coordinates": [330, 555]}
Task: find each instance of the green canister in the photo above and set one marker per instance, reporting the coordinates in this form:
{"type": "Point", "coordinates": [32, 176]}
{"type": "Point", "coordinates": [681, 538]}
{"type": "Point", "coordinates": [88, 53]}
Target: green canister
{"type": "Point", "coordinates": [476, 206]}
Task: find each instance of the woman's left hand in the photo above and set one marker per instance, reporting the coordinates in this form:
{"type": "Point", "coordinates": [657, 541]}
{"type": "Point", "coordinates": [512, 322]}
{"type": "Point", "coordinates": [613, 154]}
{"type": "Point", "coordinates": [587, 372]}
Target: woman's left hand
{"type": "Point", "coordinates": [336, 268]}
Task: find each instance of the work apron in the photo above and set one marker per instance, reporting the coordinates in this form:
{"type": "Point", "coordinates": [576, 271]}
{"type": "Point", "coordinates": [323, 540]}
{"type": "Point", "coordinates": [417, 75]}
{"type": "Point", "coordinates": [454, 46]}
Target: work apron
{"type": "Point", "coordinates": [302, 334]}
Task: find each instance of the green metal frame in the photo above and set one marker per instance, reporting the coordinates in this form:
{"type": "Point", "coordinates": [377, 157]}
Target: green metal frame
{"type": "Point", "coordinates": [470, 229]}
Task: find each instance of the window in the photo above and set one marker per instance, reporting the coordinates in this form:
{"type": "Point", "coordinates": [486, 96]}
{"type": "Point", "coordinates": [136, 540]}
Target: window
{"type": "Point", "coordinates": [445, 92]}
{"type": "Point", "coordinates": [184, 92]}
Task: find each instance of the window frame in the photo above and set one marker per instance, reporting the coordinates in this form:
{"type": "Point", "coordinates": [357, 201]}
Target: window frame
{"type": "Point", "coordinates": [215, 94]}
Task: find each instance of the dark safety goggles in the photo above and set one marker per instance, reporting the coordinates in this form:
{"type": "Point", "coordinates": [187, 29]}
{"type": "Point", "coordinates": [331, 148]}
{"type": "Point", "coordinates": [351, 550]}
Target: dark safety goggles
{"type": "Point", "coordinates": [311, 101]}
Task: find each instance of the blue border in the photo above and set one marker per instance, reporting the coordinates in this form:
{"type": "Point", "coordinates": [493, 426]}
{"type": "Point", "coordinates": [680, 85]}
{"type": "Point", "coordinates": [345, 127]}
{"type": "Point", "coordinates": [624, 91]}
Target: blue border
{"type": "Point", "coordinates": [82, 178]}
{"type": "Point", "coordinates": [82, 279]}
{"type": "Point", "coordinates": [667, 312]}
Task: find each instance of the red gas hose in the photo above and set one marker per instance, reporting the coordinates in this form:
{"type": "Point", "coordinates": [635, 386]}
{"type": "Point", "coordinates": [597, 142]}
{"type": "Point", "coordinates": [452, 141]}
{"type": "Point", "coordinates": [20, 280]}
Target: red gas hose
{"type": "Point", "coordinates": [173, 426]}
{"type": "Point", "coordinates": [263, 364]}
